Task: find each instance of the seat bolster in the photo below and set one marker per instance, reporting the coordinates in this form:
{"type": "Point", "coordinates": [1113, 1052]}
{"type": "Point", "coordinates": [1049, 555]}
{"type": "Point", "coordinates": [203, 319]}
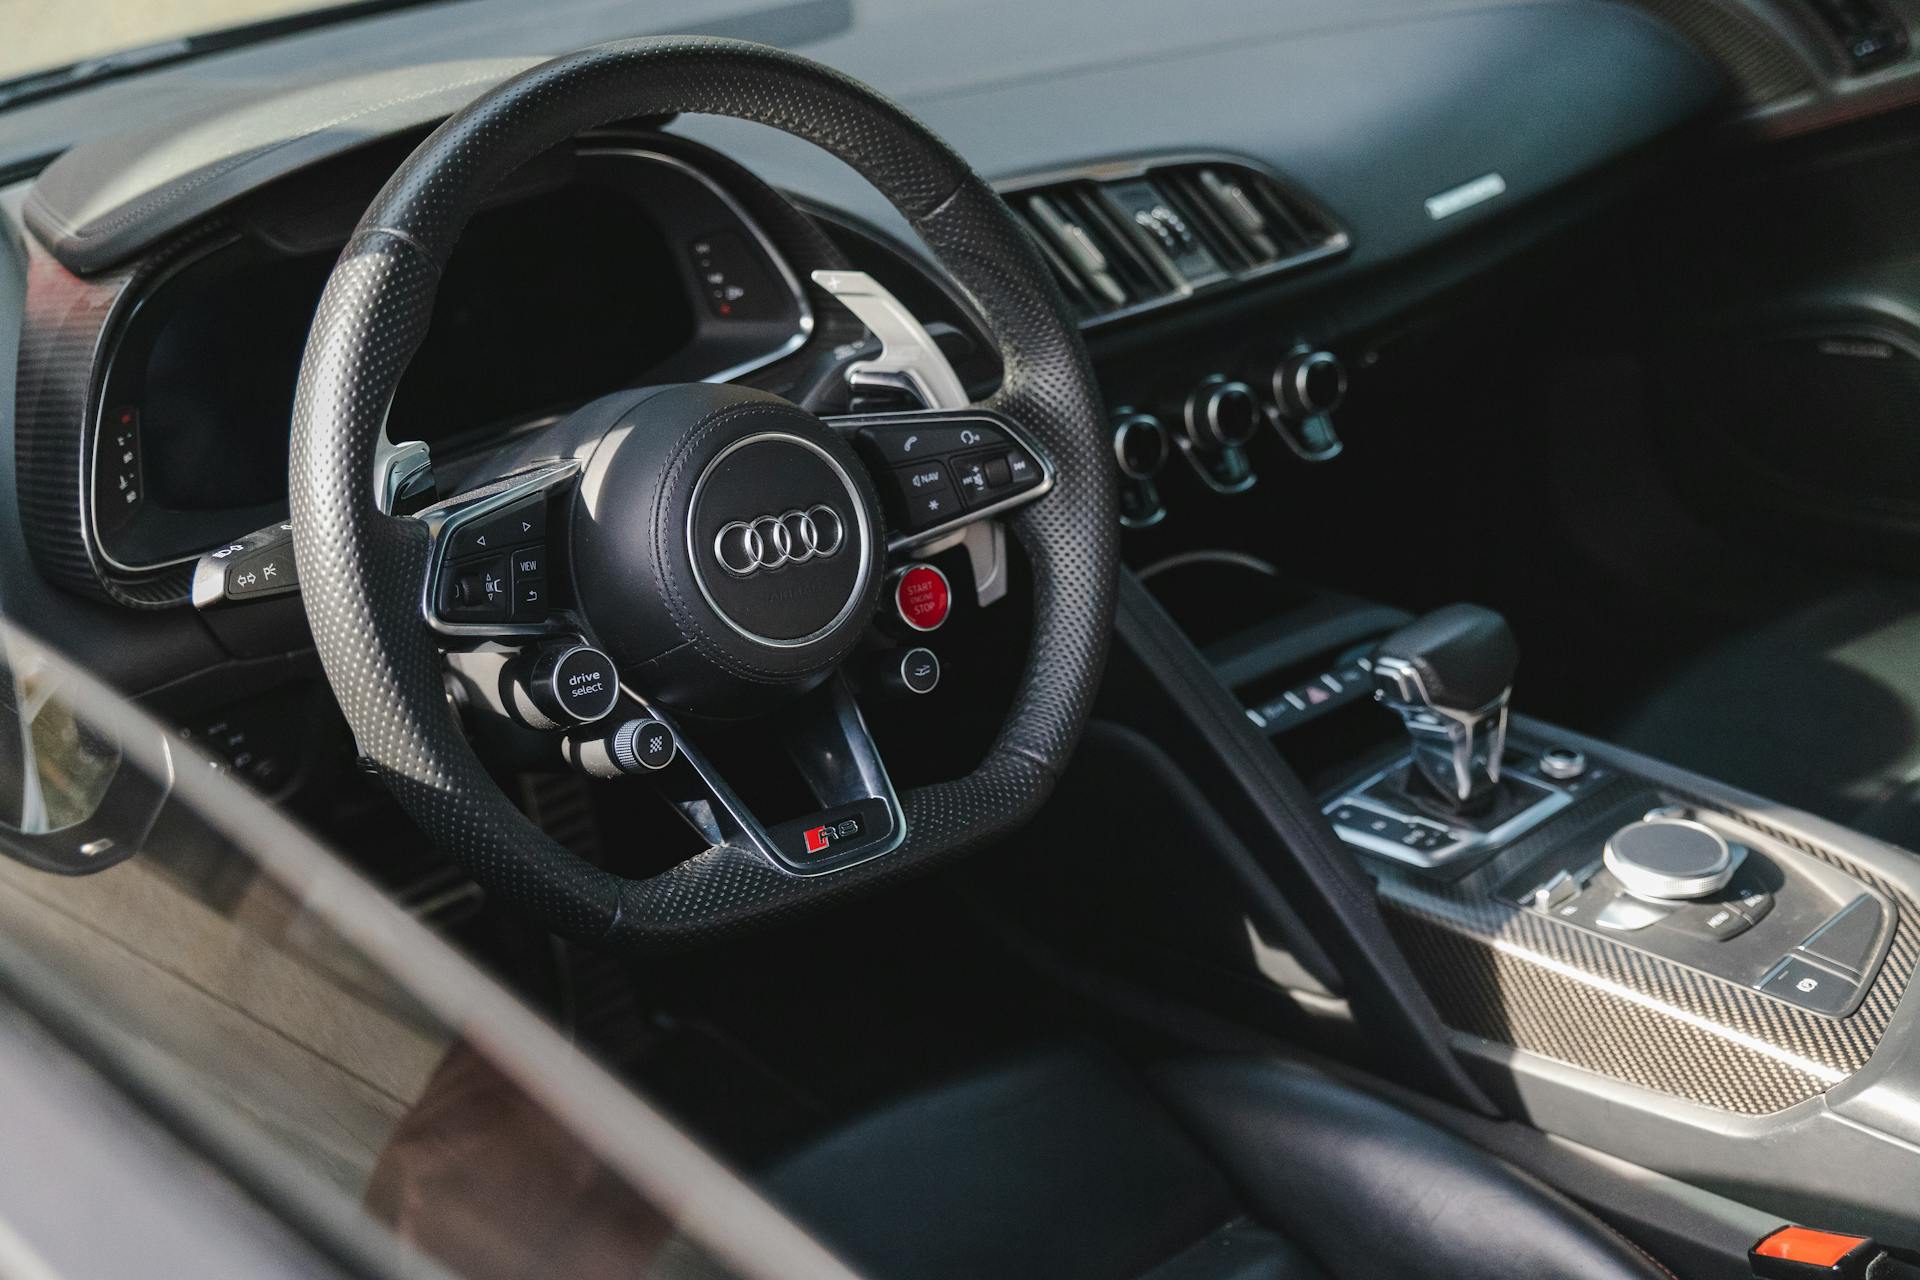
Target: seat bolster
{"type": "Point", "coordinates": [1057, 1165]}
{"type": "Point", "coordinates": [1369, 1190]}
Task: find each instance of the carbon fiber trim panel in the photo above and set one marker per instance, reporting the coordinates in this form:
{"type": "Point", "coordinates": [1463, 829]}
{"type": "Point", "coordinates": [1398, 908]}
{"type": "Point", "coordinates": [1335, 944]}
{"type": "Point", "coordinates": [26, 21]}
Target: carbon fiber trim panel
{"type": "Point", "coordinates": [1524, 979]}
{"type": "Point", "coordinates": [66, 331]}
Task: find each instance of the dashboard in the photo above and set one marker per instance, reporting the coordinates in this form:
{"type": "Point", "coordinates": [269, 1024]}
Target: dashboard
{"type": "Point", "coordinates": [167, 233]}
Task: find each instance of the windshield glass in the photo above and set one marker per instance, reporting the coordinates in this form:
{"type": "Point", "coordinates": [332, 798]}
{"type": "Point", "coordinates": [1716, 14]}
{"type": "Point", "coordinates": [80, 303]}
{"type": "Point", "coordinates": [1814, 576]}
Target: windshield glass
{"type": "Point", "coordinates": [42, 34]}
{"type": "Point", "coordinates": [314, 1038]}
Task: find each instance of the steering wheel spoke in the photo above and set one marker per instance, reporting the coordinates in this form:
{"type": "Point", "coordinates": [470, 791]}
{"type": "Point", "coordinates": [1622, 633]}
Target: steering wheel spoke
{"type": "Point", "coordinates": [857, 814]}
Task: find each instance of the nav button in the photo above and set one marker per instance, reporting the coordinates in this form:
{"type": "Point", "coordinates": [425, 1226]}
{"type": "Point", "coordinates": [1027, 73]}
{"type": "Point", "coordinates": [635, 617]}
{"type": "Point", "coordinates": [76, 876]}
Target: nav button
{"type": "Point", "coordinates": [922, 496]}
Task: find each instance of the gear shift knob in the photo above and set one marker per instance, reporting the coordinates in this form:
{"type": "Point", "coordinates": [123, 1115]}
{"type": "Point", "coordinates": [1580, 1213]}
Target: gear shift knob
{"type": "Point", "coordinates": [1448, 675]}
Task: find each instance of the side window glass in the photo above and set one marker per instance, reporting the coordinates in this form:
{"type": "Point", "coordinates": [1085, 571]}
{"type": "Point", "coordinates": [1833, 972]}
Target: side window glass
{"type": "Point", "coordinates": [306, 1030]}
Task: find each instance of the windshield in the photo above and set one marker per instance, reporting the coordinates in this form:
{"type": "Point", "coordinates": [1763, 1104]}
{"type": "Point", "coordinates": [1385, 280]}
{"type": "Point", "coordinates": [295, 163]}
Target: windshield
{"type": "Point", "coordinates": [312, 1036]}
{"type": "Point", "coordinates": [43, 34]}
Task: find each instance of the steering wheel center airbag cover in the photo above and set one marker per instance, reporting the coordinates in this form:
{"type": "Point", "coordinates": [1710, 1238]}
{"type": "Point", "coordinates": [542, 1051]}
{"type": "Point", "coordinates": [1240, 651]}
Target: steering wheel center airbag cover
{"type": "Point", "coordinates": [779, 539]}
{"type": "Point", "coordinates": [726, 547]}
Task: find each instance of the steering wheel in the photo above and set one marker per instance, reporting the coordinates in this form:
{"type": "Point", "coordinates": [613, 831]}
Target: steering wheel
{"type": "Point", "coordinates": [646, 494]}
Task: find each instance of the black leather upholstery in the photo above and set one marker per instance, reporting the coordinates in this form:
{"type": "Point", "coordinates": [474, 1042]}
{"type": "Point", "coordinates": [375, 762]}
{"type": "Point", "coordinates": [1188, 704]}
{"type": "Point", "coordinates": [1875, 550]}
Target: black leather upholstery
{"type": "Point", "coordinates": [1819, 708]}
{"type": "Point", "coordinates": [1373, 1191]}
{"type": "Point", "coordinates": [1069, 1165]}
{"type": "Point", "coordinates": [1466, 655]}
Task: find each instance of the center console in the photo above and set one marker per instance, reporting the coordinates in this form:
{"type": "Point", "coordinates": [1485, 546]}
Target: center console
{"type": "Point", "coordinates": [1637, 958]}
{"type": "Point", "coordinates": [1461, 816]}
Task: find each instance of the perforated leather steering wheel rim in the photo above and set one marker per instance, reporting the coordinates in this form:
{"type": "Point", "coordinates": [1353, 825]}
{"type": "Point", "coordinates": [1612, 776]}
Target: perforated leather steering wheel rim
{"type": "Point", "coordinates": [361, 570]}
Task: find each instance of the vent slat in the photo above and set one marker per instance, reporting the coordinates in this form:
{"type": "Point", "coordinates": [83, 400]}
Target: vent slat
{"type": "Point", "coordinates": [1232, 251]}
{"type": "Point", "coordinates": [1131, 262]}
{"type": "Point", "coordinates": [1130, 242]}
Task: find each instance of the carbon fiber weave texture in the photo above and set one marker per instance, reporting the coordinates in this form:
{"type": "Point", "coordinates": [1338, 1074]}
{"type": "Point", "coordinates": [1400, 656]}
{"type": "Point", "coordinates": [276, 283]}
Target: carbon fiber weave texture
{"type": "Point", "coordinates": [362, 571]}
{"type": "Point", "coordinates": [1524, 979]}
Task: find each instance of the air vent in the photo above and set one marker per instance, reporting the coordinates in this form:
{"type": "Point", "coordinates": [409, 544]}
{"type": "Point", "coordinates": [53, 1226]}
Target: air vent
{"type": "Point", "coordinates": [1101, 264]}
{"type": "Point", "coordinates": [1122, 240]}
{"type": "Point", "coordinates": [1249, 220]}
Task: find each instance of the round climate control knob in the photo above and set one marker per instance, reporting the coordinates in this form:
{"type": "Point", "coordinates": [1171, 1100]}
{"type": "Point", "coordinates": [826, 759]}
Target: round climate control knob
{"type": "Point", "coordinates": [1221, 413]}
{"type": "Point", "coordinates": [1665, 859]}
{"type": "Point", "coordinates": [1309, 383]}
{"type": "Point", "coordinates": [1140, 445]}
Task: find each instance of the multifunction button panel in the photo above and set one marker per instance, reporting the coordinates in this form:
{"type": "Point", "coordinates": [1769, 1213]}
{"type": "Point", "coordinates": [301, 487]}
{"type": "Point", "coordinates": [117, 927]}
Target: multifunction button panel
{"type": "Point", "coordinates": [938, 470]}
{"type": "Point", "coordinates": [1348, 679]}
{"type": "Point", "coordinates": [256, 567]}
{"type": "Point", "coordinates": [1792, 927]}
{"type": "Point", "coordinates": [492, 561]}
{"type": "Point", "coordinates": [495, 568]}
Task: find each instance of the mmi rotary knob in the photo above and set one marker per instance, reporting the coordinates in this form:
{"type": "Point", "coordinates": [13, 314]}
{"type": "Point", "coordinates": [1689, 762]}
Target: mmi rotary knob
{"type": "Point", "coordinates": [1664, 859]}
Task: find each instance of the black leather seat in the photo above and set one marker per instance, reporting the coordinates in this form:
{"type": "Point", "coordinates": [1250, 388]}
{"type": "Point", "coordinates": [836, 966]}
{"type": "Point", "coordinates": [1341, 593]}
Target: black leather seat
{"type": "Point", "coordinates": [1071, 1166]}
{"type": "Point", "coordinates": [1819, 709]}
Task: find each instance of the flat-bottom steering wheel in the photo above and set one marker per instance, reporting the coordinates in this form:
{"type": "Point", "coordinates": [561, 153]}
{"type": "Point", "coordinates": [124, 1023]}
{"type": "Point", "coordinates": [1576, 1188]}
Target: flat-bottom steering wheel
{"type": "Point", "coordinates": [725, 547]}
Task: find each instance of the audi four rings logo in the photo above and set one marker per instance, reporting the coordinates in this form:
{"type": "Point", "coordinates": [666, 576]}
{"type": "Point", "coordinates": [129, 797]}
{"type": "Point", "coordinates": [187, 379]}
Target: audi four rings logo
{"type": "Point", "coordinates": [746, 547]}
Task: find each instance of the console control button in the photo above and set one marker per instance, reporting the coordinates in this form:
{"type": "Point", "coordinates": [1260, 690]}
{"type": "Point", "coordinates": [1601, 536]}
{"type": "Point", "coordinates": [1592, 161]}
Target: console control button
{"type": "Point", "coordinates": [922, 598]}
{"type": "Point", "coordinates": [1368, 823]}
{"type": "Point", "coordinates": [902, 444]}
{"type": "Point", "coordinates": [1372, 825]}
{"type": "Point", "coordinates": [476, 591]}
{"type": "Point", "coordinates": [1714, 920]}
{"type": "Point", "coordinates": [1427, 839]}
{"type": "Point", "coordinates": [1627, 913]}
{"type": "Point", "coordinates": [922, 496]}
{"type": "Point", "coordinates": [1808, 985]}
{"type": "Point", "coordinates": [524, 521]}
{"type": "Point", "coordinates": [1562, 763]}
{"type": "Point", "coordinates": [1558, 888]}
{"type": "Point", "coordinates": [1850, 938]}
{"type": "Point", "coordinates": [1751, 901]}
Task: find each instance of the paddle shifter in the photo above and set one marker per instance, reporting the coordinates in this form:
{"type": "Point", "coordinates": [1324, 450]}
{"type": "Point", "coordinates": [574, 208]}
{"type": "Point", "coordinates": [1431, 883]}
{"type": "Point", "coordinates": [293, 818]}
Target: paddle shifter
{"type": "Point", "coordinates": [1448, 675]}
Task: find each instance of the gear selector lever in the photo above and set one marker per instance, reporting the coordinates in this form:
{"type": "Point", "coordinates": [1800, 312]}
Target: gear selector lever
{"type": "Point", "coordinates": [1448, 675]}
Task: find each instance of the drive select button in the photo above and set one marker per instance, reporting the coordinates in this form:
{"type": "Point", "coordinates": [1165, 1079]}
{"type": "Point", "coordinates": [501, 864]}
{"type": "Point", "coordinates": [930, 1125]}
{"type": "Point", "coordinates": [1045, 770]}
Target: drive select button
{"type": "Point", "coordinates": [921, 597]}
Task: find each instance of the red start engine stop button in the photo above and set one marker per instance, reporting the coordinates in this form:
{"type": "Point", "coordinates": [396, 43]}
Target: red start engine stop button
{"type": "Point", "coordinates": [921, 597]}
